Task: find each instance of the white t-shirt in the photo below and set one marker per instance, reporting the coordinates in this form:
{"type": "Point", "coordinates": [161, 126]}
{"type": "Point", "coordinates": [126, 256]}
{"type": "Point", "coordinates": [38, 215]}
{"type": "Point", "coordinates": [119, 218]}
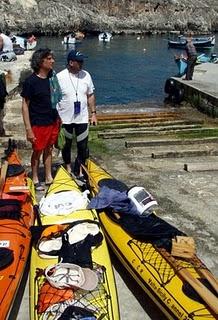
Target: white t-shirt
{"type": "Point", "coordinates": [71, 84]}
{"type": "Point", "coordinates": [7, 43]}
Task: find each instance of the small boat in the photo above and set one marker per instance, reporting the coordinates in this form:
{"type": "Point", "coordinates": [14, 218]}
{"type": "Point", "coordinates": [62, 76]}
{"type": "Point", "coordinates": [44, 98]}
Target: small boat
{"type": "Point", "coordinates": [180, 287]}
{"type": "Point", "coordinates": [73, 38]}
{"type": "Point", "coordinates": [70, 233]}
{"type": "Point", "coordinates": [105, 36]}
{"type": "Point", "coordinates": [199, 42]}
{"type": "Point", "coordinates": [25, 43]}
{"type": "Point", "coordinates": [69, 39]}
{"type": "Point", "coordinates": [16, 217]}
{"type": "Point", "coordinates": [202, 58]}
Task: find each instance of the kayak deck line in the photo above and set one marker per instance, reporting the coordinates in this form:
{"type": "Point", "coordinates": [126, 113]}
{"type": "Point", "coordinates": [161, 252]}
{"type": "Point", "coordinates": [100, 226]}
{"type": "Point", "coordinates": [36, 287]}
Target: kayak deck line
{"type": "Point", "coordinates": [209, 298]}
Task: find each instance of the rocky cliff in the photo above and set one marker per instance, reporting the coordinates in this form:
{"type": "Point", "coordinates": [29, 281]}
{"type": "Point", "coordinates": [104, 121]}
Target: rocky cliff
{"type": "Point", "coordinates": [60, 16]}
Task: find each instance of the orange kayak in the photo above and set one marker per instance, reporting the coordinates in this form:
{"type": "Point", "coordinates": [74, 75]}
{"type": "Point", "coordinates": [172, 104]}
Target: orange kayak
{"type": "Point", "coordinates": [16, 216]}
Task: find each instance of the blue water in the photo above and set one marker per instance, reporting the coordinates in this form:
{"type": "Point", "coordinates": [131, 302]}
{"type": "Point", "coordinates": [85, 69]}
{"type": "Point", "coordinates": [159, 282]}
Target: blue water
{"type": "Point", "coordinates": [124, 70]}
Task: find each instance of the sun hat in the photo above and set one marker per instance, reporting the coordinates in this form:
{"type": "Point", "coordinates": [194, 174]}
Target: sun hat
{"type": "Point", "coordinates": [74, 55]}
{"type": "Point", "coordinates": [68, 275]}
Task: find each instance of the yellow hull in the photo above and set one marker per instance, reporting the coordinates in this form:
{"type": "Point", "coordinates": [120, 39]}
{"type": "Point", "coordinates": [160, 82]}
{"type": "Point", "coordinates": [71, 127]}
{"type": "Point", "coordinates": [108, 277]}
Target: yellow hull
{"type": "Point", "coordinates": [149, 268]}
{"type": "Point", "coordinates": [105, 298]}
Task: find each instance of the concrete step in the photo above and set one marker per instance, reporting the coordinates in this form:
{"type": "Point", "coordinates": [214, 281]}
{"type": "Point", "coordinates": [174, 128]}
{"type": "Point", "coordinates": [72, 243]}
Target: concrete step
{"type": "Point", "coordinates": [149, 143]}
{"type": "Point", "coordinates": [144, 124]}
{"type": "Point", "coordinates": [201, 167]}
{"type": "Point", "coordinates": [184, 153]}
{"type": "Point", "coordinates": [138, 120]}
{"type": "Point", "coordinates": [157, 131]}
{"type": "Point", "coordinates": [136, 115]}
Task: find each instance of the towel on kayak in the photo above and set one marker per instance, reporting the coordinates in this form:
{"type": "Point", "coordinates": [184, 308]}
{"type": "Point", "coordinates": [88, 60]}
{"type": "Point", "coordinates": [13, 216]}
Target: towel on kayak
{"type": "Point", "coordinates": [63, 203]}
{"type": "Point", "coordinates": [113, 199]}
{"type": "Point", "coordinates": [149, 228]}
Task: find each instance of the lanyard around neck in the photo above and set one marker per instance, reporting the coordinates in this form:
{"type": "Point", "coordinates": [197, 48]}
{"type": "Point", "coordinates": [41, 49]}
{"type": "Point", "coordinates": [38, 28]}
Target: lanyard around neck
{"type": "Point", "coordinates": [77, 84]}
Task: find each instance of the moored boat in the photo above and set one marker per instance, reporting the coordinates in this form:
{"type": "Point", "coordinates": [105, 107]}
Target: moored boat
{"type": "Point", "coordinates": [105, 36]}
{"type": "Point", "coordinates": [183, 288]}
{"type": "Point", "coordinates": [199, 42]}
{"type": "Point", "coordinates": [69, 39]}
{"type": "Point", "coordinates": [16, 217]}
{"type": "Point", "coordinates": [73, 38]}
{"type": "Point", "coordinates": [70, 239]}
{"type": "Point", "coordinates": [202, 58]}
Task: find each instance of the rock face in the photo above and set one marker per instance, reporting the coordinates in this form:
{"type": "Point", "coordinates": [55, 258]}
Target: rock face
{"type": "Point", "coordinates": [60, 16]}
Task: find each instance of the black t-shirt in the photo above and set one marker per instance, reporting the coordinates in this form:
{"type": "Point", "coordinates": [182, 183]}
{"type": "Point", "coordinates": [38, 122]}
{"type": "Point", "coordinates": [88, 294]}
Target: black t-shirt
{"type": "Point", "coordinates": [37, 90]}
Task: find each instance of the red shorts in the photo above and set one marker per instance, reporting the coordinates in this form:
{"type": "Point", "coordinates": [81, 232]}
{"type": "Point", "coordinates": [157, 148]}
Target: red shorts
{"type": "Point", "coordinates": [45, 136]}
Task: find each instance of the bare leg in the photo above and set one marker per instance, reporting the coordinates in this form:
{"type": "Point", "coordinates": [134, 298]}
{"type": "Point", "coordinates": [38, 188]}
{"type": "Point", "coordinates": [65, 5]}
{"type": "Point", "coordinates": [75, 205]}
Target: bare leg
{"type": "Point", "coordinates": [47, 160]}
{"type": "Point", "coordinates": [35, 160]}
{"type": "Point", "coordinates": [68, 167]}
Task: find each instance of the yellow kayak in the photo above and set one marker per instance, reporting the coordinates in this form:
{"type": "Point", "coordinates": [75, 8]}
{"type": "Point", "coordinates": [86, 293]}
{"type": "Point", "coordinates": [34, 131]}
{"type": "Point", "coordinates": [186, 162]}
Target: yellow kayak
{"type": "Point", "coordinates": [82, 281]}
{"type": "Point", "coordinates": [173, 284]}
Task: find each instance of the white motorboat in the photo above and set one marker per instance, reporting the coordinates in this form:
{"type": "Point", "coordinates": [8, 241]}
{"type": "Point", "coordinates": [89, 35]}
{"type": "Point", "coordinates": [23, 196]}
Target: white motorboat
{"type": "Point", "coordinates": [69, 39]}
{"type": "Point", "coordinates": [105, 36]}
{"type": "Point", "coordinates": [73, 38]}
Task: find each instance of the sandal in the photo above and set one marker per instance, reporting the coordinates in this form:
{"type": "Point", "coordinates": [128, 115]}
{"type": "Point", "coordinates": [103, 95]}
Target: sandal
{"type": "Point", "coordinates": [38, 187]}
{"type": "Point", "coordinates": [47, 184]}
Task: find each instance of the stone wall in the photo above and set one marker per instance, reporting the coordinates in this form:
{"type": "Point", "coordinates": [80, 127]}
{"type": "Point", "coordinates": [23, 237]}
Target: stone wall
{"type": "Point", "coordinates": [60, 16]}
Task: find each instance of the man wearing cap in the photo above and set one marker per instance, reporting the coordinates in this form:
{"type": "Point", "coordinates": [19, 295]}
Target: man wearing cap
{"type": "Point", "coordinates": [78, 100]}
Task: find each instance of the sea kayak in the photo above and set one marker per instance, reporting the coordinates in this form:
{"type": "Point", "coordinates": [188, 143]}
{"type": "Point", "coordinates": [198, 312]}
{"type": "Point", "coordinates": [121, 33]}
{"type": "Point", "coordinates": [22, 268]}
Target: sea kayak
{"type": "Point", "coordinates": [174, 284]}
{"type": "Point", "coordinates": [16, 216]}
{"type": "Point", "coordinates": [70, 242]}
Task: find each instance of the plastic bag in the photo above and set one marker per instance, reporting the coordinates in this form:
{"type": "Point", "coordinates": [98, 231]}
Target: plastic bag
{"type": "Point", "coordinates": [61, 139]}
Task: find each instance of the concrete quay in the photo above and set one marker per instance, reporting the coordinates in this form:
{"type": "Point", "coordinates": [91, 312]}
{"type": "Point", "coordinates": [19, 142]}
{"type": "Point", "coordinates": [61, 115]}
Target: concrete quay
{"type": "Point", "coordinates": [202, 91]}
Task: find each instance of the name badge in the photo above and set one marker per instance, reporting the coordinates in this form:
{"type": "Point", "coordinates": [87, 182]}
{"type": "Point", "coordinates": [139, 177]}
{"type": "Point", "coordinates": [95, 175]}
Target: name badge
{"type": "Point", "coordinates": [77, 107]}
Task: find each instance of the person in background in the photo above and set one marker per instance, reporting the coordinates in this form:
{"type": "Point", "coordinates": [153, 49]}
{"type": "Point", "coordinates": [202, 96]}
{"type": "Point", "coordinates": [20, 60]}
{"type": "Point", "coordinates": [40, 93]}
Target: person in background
{"type": "Point", "coordinates": [191, 58]}
{"type": "Point", "coordinates": [78, 100]}
{"type": "Point", "coordinates": [3, 94]}
{"type": "Point", "coordinates": [31, 38]}
{"type": "Point", "coordinates": [41, 93]}
{"type": "Point", "coordinates": [6, 44]}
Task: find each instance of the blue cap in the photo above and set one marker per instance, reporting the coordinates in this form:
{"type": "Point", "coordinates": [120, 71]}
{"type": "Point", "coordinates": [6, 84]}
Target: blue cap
{"type": "Point", "coordinates": [74, 55]}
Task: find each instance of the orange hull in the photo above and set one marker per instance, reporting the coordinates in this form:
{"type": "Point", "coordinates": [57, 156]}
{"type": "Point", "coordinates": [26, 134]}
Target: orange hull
{"type": "Point", "coordinates": [15, 235]}
{"type": "Point", "coordinates": [10, 277]}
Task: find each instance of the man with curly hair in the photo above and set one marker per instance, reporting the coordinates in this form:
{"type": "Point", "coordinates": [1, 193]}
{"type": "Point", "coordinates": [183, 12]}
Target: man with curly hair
{"type": "Point", "coordinates": [40, 96]}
